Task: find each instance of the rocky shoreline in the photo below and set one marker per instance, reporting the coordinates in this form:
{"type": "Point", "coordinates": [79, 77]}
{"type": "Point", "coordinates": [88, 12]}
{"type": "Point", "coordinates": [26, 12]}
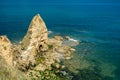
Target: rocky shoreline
{"type": "Point", "coordinates": [37, 56]}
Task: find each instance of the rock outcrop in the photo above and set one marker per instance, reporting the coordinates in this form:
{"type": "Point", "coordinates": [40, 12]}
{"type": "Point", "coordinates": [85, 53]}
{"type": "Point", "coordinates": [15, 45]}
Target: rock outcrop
{"type": "Point", "coordinates": [37, 34]}
{"type": "Point", "coordinates": [36, 52]}
{"type": "Point", "coordinates": [6, 49]}
{"type": "Point", "coordinates": [34, 43]}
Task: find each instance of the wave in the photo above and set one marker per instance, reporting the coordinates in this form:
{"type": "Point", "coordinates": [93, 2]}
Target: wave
{"type": "Point", "coordinates": [71, 39]}
{"type": "Point", "coordinates": [50, 32]}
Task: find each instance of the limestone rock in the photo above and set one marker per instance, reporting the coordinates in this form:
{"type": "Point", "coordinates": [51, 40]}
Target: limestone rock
{"type": "Point", "coordinates": [55, 42]}
{"type": "Point", "coordinates": [37, 33]}
{"type": "Point", "coordinates": [58, 38]}
{"type": "Point", "coordinates": [36, 50]}
{"type": "Point", "coordinates": [6, 49]}
{"type": "Point", "coordinates": [35, 41]}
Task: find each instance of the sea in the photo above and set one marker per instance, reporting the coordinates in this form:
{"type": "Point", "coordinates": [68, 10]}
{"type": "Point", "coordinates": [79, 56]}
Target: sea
{"type": "Point", "coordinates": [96, 25]}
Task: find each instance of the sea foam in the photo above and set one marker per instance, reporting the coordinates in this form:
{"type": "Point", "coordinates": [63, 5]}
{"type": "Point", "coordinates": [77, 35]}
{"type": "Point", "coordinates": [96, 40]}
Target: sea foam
{"type": "Point", "coordinates": [71, 39]}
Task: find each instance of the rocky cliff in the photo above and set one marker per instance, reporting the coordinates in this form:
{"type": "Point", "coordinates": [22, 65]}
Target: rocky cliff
{"type": "Point", "coordinates": [36, 52]}
{"type": "Point", "coordinates": [6, 49]}
{"type": "Point", "coordinates": [34, 42]}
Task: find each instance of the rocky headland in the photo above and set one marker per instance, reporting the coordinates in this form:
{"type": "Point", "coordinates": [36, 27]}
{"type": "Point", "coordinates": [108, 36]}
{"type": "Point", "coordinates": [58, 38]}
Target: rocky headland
{"type": "Point", "coordinates": [36, 57]}
{"type": "Point", "coordinates": [39, 57]}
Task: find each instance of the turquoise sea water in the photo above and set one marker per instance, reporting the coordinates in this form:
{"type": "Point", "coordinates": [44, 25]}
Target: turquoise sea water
{"type": "Point", "coordinates": [96, 25]}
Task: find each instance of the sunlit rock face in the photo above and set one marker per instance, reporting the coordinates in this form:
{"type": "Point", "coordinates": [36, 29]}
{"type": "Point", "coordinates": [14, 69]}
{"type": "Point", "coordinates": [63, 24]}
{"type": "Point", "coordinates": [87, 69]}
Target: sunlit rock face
{"type": "Point", "coordinates": [6, 49]}
{"type": "Point", "coordinates": [37, 34]}
{"type": "Point", "coordinates": [34, 42]}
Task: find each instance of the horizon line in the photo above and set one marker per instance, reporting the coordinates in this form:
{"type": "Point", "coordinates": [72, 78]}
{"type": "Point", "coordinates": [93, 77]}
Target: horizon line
{"type": "Point", "coordinates": [13, 3]}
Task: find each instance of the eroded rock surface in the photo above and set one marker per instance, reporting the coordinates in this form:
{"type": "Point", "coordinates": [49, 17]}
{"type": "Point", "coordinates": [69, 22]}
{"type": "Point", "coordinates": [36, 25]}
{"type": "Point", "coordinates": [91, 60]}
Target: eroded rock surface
{"type": "Point", "coordinates": [34, 43]}
{"type": "Point", "coordinates": [6, 49]}
{"type": "Point", "coordinates": [36, 52]}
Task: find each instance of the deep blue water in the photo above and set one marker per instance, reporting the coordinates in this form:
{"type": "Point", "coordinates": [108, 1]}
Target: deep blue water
{"type": "Point", "coordinates": [96, 24]}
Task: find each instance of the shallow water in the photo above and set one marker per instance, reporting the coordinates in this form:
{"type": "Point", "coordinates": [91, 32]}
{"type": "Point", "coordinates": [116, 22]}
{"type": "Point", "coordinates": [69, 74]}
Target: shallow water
{"type": "Point", "coordinates": [96, 26]}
